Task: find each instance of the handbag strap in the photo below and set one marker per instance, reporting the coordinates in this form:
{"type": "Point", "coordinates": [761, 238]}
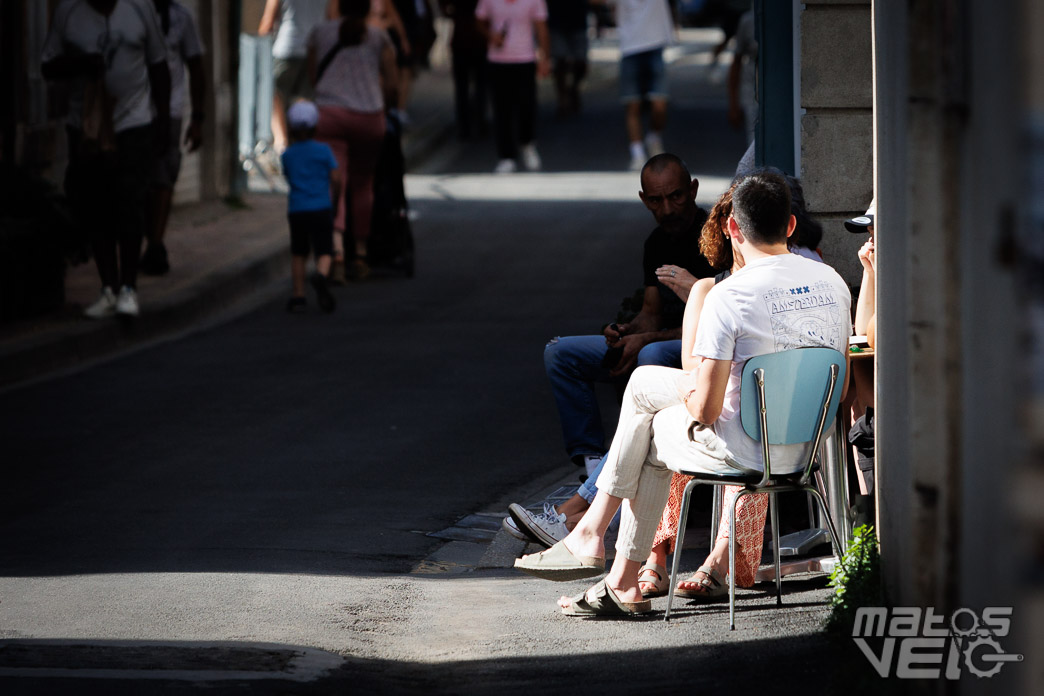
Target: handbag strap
{"type": "Point", "coordinates": [327, 59]}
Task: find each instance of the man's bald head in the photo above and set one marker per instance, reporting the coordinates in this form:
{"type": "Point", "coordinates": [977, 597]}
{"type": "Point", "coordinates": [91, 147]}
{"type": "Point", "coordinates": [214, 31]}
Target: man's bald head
{"type": "Point", "coordinates": [658, 164]}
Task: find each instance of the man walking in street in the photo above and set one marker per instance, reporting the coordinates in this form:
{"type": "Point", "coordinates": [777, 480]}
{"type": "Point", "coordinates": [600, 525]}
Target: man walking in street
{"type": "Point", "coordinates": [646, 28]}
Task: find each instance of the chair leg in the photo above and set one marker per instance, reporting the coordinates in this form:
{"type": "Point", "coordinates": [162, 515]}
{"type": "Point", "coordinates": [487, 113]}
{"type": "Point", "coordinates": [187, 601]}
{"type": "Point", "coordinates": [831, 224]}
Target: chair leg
{"type": "Point", "coordinates": [774, 515]}
{"type": "Point", "coordinates": [732, 561]}
{"type": "Point", "coordinates": [834, 538]}
{"type": "Point", "coordinates": [679, 539]}
{"type": "Point", "coordinates": [717, 498]}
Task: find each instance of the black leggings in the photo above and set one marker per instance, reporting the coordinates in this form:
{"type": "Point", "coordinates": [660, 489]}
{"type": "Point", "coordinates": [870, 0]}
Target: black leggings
{"type": "Point", "coordinates": [108, 192]}
{"type": "Point", "coordinates": [514, 105]}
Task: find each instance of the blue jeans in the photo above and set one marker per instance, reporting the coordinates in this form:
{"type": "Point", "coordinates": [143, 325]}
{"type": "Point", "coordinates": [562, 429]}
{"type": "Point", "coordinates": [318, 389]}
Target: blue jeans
{"type": "Point", "coordinates": [574, 365]}
{"type": "Point", "coordinates": [589, 489]}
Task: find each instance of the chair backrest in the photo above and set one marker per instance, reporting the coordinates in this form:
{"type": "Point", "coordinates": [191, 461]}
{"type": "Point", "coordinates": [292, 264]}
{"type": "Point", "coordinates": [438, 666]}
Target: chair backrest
{"type": "Point", "coordinates": [796, 385]}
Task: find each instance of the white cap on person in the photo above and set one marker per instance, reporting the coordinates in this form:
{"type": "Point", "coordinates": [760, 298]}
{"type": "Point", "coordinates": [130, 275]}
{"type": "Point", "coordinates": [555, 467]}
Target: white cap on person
{"type": "Point", "coordinates": [302, 114]}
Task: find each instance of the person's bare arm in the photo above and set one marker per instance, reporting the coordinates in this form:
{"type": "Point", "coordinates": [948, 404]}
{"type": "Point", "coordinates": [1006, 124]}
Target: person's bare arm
{"type": "Point", "coordinates": [543, 48]}
{"type": "Point", "coordinates": [495, 39]}
{"type": "Point", "coordinates": [690, 322]}
{"type": "Point", "coordinates": [681, 282]}
{"type": "Point", "coordinates": [194, 134]}
{"type": "Point", "coordinates": [866, 306]}
{"type": "Point", "coordinates": [268, 18]}
{"type": "Point", "coordinates": [389, 76]}
{"type": "Point", "coordinates": [335, 186]}
{"type": "Point", "coordinates": [394, 20]}
{"type": "Point", "coordinates": [159, 86]}
{"type": "Point", "coordinates": [707, 397]}
{"type": "Point", "coordinates": [639, 332]}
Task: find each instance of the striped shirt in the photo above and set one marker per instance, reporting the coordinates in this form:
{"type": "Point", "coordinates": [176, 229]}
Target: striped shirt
{"type": "Point", "coordinates": [352, 79]}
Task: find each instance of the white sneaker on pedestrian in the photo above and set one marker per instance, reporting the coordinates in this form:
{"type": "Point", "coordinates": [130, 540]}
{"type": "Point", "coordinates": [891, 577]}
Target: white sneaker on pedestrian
{"type": "Point", "coordinates": [505, 166]}
{"type": "Point", "coordinates": [547, 528]}
{"type": "Point", "coordinates": [638, 156]}
{"type": "Point", "coordinates": [530, 157]}
{"type": "Point", "coordinates": [591, 462]}
{"type": "Point", "coordinates": [104, 306]}
{"type": "Point", "coordinates": [127, 302]}
{"type": "Point", "coordinates": [654, 144]}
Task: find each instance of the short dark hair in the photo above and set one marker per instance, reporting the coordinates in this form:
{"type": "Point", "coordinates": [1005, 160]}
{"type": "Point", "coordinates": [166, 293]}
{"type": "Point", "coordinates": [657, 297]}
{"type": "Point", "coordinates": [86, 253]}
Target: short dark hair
{"type": "Point", "coordinates": [657, 163]}
{"type": "Point", "coordinates": [761, 207]}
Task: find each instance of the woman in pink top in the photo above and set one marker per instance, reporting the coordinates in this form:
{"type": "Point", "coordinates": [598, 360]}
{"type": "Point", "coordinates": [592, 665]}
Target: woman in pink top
{"type": "Point", "coordinates": [353, 69]}
{"type": "Point", "coordinates": [509, 26]}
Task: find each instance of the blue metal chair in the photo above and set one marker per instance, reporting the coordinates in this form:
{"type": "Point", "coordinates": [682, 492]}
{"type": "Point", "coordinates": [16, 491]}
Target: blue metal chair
{"type": "Point", "coordinates": [802, 395]}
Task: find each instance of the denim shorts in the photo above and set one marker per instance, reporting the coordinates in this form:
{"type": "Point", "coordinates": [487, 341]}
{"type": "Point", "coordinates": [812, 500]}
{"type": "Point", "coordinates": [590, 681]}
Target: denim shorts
{"type": "Point", "coordinates": [311, 231]}
{"type": "Point", "coordinates": [642, 75]}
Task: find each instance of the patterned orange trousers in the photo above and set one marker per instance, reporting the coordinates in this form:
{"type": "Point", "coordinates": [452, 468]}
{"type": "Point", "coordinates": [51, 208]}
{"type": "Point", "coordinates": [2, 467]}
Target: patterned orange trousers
{"type": "Point", "coordinates": [750, 526]}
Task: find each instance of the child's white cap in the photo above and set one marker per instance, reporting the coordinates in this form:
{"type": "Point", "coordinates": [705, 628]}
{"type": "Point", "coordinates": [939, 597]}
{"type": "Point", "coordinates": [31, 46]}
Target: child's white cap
{"type": "Point", "coordinates": [302, 114]}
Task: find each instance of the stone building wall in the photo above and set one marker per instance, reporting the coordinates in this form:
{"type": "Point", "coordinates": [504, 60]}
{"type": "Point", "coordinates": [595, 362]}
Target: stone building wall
{"type": "Point", "coordinates": [836, 122]}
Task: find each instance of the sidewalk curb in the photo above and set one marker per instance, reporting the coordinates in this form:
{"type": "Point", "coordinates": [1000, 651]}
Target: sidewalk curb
{"type": "Point", "coordinates": [236, 288]}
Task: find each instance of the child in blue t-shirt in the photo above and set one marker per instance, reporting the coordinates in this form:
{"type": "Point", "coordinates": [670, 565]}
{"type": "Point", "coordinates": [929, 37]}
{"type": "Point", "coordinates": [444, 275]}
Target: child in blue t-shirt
{"type": "Point", "coordinates": [311, 171]}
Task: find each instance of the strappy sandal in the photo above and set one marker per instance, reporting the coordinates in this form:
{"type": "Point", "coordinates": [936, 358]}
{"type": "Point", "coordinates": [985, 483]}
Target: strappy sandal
{"type": "Point", "coordinates": [659, 581]}
{"type": "Point", "coordinates": [600, 600]}
{"type": "Point", "coordinates": [714, 587]}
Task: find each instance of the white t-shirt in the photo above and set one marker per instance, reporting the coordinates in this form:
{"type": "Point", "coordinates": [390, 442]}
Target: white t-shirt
{"type": "Point", "coordinates": [770, 305]}
{"type": "Point", "coordinates": [297, 18]}
{"type": "Point", "coordinates": [182, 44]}
{"type": "Point", "coordinates": [129, 39]}
{"type": "Point", "coordinates": [515, 19]}
{"type": "Point", "coordinates": [643, 25]}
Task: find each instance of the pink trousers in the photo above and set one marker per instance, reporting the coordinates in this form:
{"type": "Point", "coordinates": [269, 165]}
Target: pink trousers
{"type": "Point", "coordinates": [355, 139]}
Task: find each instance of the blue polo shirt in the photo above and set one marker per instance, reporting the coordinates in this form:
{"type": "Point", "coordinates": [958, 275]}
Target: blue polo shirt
{"type": "Point", "coordinates": [307, 166]}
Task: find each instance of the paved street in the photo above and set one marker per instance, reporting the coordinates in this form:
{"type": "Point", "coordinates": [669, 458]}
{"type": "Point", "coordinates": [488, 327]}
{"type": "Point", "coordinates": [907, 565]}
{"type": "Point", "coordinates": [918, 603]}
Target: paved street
{"type": "Point", "coordinates": [306, 503]}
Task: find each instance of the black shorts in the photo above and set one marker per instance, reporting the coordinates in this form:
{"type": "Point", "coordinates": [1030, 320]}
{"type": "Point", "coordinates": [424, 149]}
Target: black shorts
{"type": "Point", "coordinates": [311, 230]}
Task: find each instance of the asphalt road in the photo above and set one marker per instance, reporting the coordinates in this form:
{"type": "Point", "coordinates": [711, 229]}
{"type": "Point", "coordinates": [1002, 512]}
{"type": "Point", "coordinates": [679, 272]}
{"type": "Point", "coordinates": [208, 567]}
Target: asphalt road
{"type": "Point", "coordinates": [247, 507]}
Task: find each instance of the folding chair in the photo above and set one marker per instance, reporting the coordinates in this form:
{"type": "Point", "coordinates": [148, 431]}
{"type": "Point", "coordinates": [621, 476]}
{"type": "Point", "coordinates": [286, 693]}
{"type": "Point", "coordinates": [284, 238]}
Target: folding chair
{"type": "Point", "coordinates": [791, 396]}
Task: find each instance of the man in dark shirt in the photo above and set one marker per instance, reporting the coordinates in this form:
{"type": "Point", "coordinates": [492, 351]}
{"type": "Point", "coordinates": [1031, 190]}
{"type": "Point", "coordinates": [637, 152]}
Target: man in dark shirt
{"type": "Point", "coordinates": [671, 263]}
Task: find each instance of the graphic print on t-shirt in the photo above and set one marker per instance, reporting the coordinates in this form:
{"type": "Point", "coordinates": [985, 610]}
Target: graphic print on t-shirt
{"type": "Point", "coordinates": [804, 315]}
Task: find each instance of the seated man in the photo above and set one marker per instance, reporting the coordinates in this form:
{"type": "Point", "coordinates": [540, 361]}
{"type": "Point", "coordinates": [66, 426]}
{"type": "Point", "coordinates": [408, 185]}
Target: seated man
{"type": "Point", "coordinates": [672, 262]}
{"type": "Point", "coordinates": [777, 301]}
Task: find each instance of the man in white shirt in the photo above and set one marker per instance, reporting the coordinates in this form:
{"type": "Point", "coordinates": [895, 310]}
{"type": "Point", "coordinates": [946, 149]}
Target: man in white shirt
{"type": "Point", "coordinates": [645, 28]}
{"type": "Point", "coordinates": [776, 302]}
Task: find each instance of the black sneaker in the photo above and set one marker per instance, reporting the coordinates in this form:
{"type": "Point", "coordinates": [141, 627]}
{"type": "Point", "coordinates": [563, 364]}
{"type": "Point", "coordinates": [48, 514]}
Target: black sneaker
{"type": "Point", "coordinates": [296, 305]}
{"type": "Point", "coordinates": [326, 300]}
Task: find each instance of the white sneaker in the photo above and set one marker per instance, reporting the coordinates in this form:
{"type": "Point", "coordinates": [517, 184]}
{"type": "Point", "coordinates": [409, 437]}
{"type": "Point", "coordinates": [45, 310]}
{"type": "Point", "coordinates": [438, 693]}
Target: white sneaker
{"type": "Point", "coordinates": [638, 156]}
{"type": "Point", "coordinates": [127, 302]}
{"type": "Point", "coordinates": [104, 306]}
{"type": "Point", "coordinates": [547, 528]}
{"type": "Point", "coordinates": [505, 166]}
{"type": "Point", "coordinates": [654, 144]}
{"type": "Point", "coordinates": [530, 157]}
{"type": "Point", "coordinates": [591, 462]}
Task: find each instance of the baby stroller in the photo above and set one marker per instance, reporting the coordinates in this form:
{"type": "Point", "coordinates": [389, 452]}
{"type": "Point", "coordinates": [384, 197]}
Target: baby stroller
{"type": "Point", "coordinates": [391, 239]}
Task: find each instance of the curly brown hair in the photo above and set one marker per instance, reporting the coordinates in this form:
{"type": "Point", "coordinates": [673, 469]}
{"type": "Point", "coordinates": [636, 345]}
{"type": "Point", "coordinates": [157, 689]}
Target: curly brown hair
{"type": "Point", "coordinates": [714, 238]}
